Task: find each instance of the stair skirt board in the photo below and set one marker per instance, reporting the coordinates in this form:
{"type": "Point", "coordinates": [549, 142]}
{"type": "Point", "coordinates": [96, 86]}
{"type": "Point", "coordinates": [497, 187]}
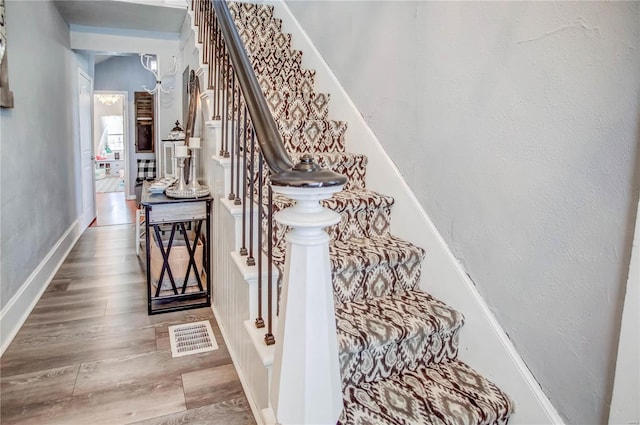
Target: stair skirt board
{"type": "Point", "coordinates": [428, 369]}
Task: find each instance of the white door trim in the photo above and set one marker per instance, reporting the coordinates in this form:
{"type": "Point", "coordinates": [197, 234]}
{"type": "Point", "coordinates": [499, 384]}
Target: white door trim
{"type": "Point", "coordinates": [125, 121]}
{"type": "Point", "coordinates": [86, 216]}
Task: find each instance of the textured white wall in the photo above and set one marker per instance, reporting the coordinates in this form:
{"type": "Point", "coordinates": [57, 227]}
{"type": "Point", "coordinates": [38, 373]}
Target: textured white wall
{"type": "Point", "coordinates": [516, 125]}
{"type": "Point", "coordinates": [39, 139]}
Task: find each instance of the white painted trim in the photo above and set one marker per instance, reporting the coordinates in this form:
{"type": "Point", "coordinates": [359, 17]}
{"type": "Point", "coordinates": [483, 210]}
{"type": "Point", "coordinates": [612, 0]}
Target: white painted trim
{"type": "Point", "coordinates": [257, 413]}
{"type": "Point", "coordinates": [625, 406]}
{"type": "Point", "coordinates": [16, 311]}
{"type": "Point", "coordinates": [484, 344]}
{"type": "Point", "coordinates": [125, 129]}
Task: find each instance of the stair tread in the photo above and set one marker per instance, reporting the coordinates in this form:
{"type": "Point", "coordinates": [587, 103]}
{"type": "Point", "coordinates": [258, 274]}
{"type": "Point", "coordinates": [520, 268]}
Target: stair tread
{"type": "Point", "coordinates": [349, 164]}
{"type": "Point", "coordinates": [356, 253]}
{"type": "Point", "coordinates": [374, 322]}
{"type": "Point", "coordinates": [354, 199]}
{"type": "Point", "coordinates": [357, 199]}
{"type": "Point", "coordinates": [448, 393]}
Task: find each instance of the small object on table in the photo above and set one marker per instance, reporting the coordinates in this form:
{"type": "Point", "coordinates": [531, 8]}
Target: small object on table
{"type": "Point", "coordinates": [194, 142]}
{"type": "Point", "coordinates": [182, 152]}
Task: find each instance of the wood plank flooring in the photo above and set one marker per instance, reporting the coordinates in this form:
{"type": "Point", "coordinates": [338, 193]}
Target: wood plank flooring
{"type": "Point", "coordinates": [112, 209]}
{"type": "Point", "coordinates": [90, 354]}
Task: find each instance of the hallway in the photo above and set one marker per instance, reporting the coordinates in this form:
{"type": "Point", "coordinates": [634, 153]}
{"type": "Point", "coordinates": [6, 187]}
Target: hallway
{"type": "Point", "coordinates": [90, 354]}
{"type": "Point", "coordinates": [112, 208]}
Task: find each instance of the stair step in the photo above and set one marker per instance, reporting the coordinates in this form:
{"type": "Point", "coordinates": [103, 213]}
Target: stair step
{"type": "Point", "coordinates": [351, 165]}
{"type": "Point", "coordinates": [364, 268]}
{"type": "Point", "coordinates": [286, 68]}
{"type": "Point", "coordinates": [310, 135]}
{"type": "Point", "coordinates": [264, 11]}
{"type": "Point", "coordinates": [290, 84]}
{"type": "Point", "coordinates": [261, 52]}
{"type": "Point", "coordinates": [258, 25]}
{"type": "Point", "coordinates": [254, 40]}
{"type": "Point", "coordinates": [381, 337]}
{"type": "Point", "coordinates": [363, 214]}
{"type": "Point", "coordinates": [373, 267]}
{"type": "Point", "coordinates": [449, 393]}
{"type": "Point", "coordinates": [298, 106]}
{"type": "Point", "coordinates": [273, 61]}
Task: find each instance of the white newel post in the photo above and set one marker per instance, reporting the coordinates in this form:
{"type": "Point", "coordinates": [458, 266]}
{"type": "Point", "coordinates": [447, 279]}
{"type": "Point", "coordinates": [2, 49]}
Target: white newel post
{"type": "Point", "coordinates": [306, 384]}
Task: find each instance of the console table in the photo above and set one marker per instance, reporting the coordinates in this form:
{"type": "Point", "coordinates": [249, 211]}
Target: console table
{"type": "Point", "coordinates": [176, 216]}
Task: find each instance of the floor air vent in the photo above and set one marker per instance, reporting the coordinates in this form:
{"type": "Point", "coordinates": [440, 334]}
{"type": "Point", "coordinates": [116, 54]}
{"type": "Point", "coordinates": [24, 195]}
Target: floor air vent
{"type": "Point", "coordinates": [192, 338]}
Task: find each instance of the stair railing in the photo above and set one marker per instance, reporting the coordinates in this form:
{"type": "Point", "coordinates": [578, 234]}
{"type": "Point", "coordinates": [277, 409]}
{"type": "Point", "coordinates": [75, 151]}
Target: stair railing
{"type": "Point", "coordinates": [306, 385]}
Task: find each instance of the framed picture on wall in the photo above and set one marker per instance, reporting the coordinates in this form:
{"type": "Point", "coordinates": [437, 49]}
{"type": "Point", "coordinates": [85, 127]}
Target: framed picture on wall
{"type": "Point", "coordinates": [6, 96]}
{"type": "Point", "coordinates": [144, 122]}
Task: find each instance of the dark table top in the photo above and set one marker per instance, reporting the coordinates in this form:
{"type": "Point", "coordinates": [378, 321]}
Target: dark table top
{"type": "Point", "coordinates": [149, 198]}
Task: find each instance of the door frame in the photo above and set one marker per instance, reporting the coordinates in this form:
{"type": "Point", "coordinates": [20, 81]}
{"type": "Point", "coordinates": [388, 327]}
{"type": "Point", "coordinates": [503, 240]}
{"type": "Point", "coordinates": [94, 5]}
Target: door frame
{"type": "Point", "coordinates": [126, 138]}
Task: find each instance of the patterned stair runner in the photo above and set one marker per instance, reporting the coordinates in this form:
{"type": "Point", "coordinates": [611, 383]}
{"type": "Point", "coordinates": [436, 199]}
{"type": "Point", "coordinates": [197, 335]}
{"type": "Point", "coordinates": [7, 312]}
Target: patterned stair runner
{"type": "Point", "coordinates": [398, 345]}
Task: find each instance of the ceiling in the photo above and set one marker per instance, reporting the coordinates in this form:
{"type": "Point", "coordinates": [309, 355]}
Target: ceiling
{"type": "Point", "coordinates": [124, 15]}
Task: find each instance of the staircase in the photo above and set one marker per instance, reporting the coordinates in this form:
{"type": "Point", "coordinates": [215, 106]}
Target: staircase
{"type": "Point", "coordinates": [398, 345]}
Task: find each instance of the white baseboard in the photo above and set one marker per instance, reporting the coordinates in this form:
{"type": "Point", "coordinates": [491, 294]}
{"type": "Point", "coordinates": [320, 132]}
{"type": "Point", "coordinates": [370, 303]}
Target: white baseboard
{"type": "Point", "coordinates": [484, 344]}
{"type": "Point", "coordinates": [16, 311]}
{"type": "Point", "coordinates": [257, 412]}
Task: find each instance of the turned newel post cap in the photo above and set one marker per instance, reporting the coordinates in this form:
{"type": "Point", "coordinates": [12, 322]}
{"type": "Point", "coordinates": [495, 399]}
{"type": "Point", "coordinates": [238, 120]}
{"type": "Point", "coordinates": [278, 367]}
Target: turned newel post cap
{"type": "Point", "coordinates": [306, 164]}
{"type": "Point", "coordinates": [307, 173]}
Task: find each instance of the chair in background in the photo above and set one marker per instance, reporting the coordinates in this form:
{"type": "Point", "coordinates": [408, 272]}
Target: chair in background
{"type": "Point", "coordinates": [146, 171]}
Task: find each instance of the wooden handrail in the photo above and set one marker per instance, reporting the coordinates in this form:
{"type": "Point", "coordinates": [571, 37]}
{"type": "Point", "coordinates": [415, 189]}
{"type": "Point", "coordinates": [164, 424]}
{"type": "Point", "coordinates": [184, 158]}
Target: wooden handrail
{"type": "Point", "coordinates": [283, 172]}
{"type": "Point", "coordinates": [265, 127]}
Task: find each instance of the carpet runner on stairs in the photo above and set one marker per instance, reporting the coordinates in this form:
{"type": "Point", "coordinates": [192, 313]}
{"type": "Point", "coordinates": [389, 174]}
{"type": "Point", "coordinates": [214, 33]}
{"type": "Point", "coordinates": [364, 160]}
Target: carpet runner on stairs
{"type": "Point", "coordinates": [398, 345]}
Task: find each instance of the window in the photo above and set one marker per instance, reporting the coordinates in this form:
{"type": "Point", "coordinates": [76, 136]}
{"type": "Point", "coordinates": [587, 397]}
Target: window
{"type": "Point", "coordinates": [115, 130]}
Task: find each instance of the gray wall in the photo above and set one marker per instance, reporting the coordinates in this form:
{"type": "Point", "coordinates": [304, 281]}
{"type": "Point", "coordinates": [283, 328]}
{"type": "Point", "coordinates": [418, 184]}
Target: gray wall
{"type": "Point", "coordinates": [516, 124]}
{"type": "Point", "coordinates": [38, 140]}
{"type": "Point", "coordinates": [125, 73]}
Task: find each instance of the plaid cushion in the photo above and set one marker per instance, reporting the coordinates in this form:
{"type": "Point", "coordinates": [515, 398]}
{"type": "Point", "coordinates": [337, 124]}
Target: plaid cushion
{"type": "Point", "coordinates": [146, 170]}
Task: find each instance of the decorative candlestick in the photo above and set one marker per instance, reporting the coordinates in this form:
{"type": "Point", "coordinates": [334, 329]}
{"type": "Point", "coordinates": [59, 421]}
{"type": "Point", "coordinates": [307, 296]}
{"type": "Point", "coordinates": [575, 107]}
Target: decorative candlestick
{"type": "Point", "coordinates": [181, 189]}
{"type": "Point", "coordinates": [181, 185]}
{"type": "Point", "coordinates": [193, 175]}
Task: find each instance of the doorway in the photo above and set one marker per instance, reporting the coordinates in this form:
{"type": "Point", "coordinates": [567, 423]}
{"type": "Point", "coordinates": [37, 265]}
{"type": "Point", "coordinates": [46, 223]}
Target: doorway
{"type": "Point", "coordinates": [111, 165]}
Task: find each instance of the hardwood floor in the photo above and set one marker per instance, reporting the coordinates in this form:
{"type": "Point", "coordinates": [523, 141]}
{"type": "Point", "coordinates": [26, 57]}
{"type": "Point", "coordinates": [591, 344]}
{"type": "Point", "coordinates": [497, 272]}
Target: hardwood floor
{"type": "Point", "coordinates": [90, 354]}
{"type": "Point", "coordinates": [112, 208]}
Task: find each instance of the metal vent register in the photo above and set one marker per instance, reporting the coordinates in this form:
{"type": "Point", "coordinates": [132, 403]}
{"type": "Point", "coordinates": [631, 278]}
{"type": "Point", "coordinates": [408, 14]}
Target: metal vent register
{"type": "Point", "coordinates": [191, 338]}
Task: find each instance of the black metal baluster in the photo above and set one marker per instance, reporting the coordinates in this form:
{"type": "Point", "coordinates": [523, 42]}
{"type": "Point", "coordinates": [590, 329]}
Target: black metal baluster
{"type": "Point", "coordinates": [238, 201]}
{"type": "Point", "coordinates": [233, 133]}
{"type": "Point", "coordinates": [259, 319]}
{"type": "Point", "coordinates": [218, 76]}
{"type": "Point", "coordinates": [243, 250]}
{"type": "Point", "coordinates": [200, 19]}
{"type": "Point", "coordinates": [212, 57]}
{"type": "Point", "coordinates": [206, 22]}
{"type": "Point", "coordinates": [224, 152]}
{"type": "Point", "coordinates": [269, 339]}
{"type": "Point", "coordinates": [250, 259]}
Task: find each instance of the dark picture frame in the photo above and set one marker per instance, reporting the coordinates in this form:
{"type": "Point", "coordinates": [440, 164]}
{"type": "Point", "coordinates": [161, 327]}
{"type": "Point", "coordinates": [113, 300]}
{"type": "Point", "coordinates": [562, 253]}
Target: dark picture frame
{"type": "Point", "coordinates": [6, 96]}
{"type": "Point", "coordinates": [185, 94]}
{"type": "Point", "coordinates": [144, 112]}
